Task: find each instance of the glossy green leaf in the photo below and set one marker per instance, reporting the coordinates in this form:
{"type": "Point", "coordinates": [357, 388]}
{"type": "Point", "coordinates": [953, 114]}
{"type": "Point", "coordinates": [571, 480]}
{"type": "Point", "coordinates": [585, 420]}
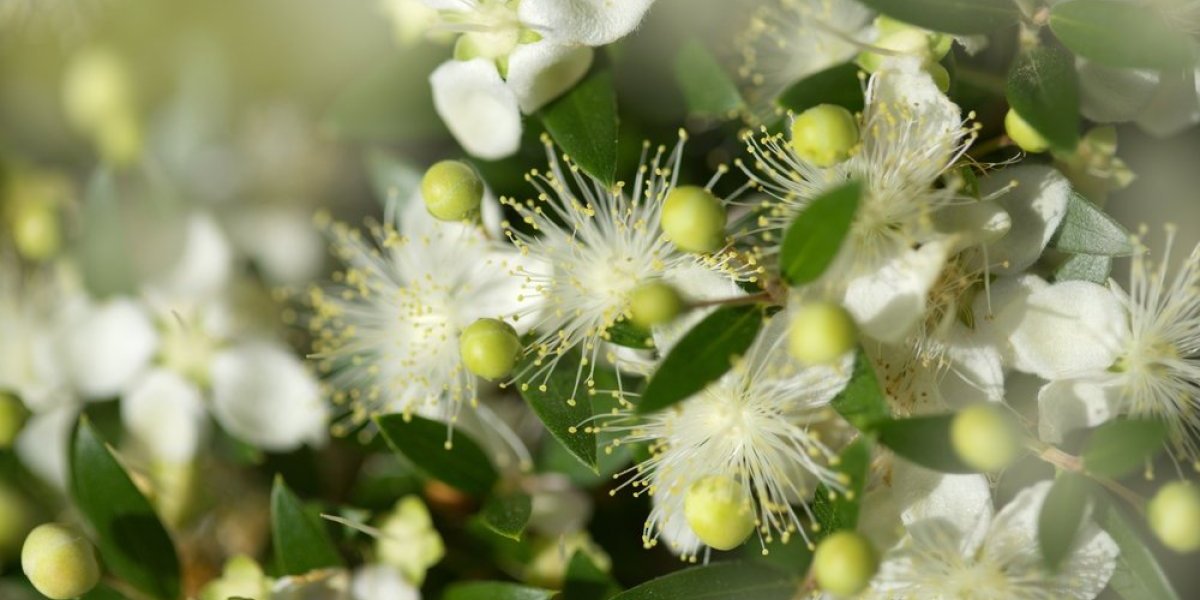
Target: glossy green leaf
{"type": "Point", "coordinates": [585, 581]}
{"type": "Point", "coordinates": [563, 403]}
{"type": "Point", "coordinates": [1084, 267]}
{"type": "Point", "coordinates": [625, 333]}
{"type": "Point", "coordinates": [924, 441]}
{"type": "Point", "coordinates": [423, 442]}
{"type": "Point", "coordinates": [1086, 229]}
{"type": "Point", "coordinates": [301, 542]}
{"type": "Point", "coordinates": [1118, 447]}
{"type": "Point", "coordinates": [584, 123]}
{"type": "Point", "coordinates": [133, 544]}
{"type": "Point", "coordinates": [815, 236]}
{"type": "Point", "coordinates": [507, 514]}
{"type": "Point", "coordinates": [1044, 89]}
{"type": "Point", "coordinates": [838, 85]}
{"type": "Point", "coordinates": [862, 402]}
{"type": "Point", "coordinates": [951, 16]}
{"type": "Point", "coordinates": [1138, 576]}
{"type": "Point", "coordinates": [841, 510]}
{"type": "Point", "coordinates": [1121, 34]}
{"type": "Point", "coordinates": [704, 354]}
{"type": "Point", "coordinates": [719, 581]}
{"type": "Point", "coordinates": [707, 89]}
{"type": "Point", "coordinates": [1061, 516]}
{"type": "Point", "coordinates": [495, 590]}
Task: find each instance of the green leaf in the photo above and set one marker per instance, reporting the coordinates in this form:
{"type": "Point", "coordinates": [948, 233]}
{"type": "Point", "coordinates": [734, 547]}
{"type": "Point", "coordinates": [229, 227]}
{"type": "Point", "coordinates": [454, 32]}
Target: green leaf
{"type": "Point", "coordinates": [507, 514]}
{"type": "Point", "coordinates": [707, 88]}
{"type": "Point", "coordinates": [1061, 516]}
{"type": "Point", "coordinates": [838, 85]}
{"type": "Point", "coordinates": [1121, 34]}
{"type": "Point", "coordinates": [584, 123]}
{"type": "Point", "coordinates": [1043, 88]}
{"type": "Point", "coordinates": [301, 542]}
{"type": "Point", "coordinates": [133, 543]}
{"type": "Point", "coordinates": [1118, 447]}
{"type": "Point", "coordinates": [585, 581]}
{"type": "Point", "coordinates": [951, 16]}
{"type": "Point", "coordinates": [862, 402]}
{"type": "Point", "coordinates": [1138, 575]}
{"type": "Point", "coordinates": [702, 356]}
{"type": "Point", "coordinates": [814, 238]}
{"type": "Point", "coordinates": [732, 580]}
{"type": "Point", "coordinates": [102, 592]}
{"type": "Point", "coordinates": [841, 511]}
{"type": "Point", "coordinates": [924, 441]}
{"type": "Point", "coordinates": [1084, 267]}
{"type": "Point", "coordinates": [424, 442]}
{"type": "Point", "coordinates": [625, 333]}
{"type": "Point", "coordinates": [495, 590]}
{"type": "Point", "coordinates": [1086, 229]}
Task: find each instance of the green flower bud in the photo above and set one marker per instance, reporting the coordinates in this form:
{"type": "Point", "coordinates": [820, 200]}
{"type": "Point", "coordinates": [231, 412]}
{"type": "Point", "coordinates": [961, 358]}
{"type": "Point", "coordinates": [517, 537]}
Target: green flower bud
{"type": "Point", "coordinates": [718, 510]}
{"type": "Point", "coordinates": [59, 561]}
{"type": "Point", "coordinates": [825, 135]}
{"type": "Point", "coordinates": [941, 77]}
{"type": "Point", "coordinates": [984, 437]}
{"type": "Point", "coordinates": [694, 219]}
{"type": "Point", "coordinates": [820, 333]}
{"type": "Point", "coordinates": [490, 348]}
{"type": "Point", "coordinates": [844, 563]}
{"type": "Point", "coordinates": [12, 419]}
{"type": "Point", "coordinates": [1023, 134]}
{"type": "Point", "coordinates": [452, 191]}
{"type": "Point", "coordinates": [1174, 516]}
{"type": "Point", "coordinates": [654, 303]}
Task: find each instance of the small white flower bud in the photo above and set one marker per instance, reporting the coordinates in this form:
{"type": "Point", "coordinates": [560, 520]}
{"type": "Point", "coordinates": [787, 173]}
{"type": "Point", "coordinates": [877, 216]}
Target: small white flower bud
{"type": "Point", "coordinates": [718, 510]}
{"type": "Point", "coordinates": [452, 191]}
{"type": "Point", "coordinates": [693, 219]}
{"type": "Point", "coordinates": [984, 437]}
{"type": "Point", "coordinates": [490, 348]}
{"type": "Point", "coordinates": [844, 563]}
{"type": "Point", "coordinates": [820, 333]}
{"type": "Point", "coordinates": [825, 135]}
{"type": "Point", "coordinates": [59, 561]}
{"type": "Point", "coordinates": [1174, 516]}
{"type": "Point", "coordinates": [1023, 134]}
{"type": "Point", "coordinates": [654, 303]}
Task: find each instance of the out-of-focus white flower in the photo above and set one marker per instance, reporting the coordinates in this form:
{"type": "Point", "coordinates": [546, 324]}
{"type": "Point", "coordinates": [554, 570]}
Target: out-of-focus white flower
{"type": "Point", "coordinates": [241, 577]}
{"type": "Point", "coordinates": [755, 425]}
{"type": "Point", "coordinates": [204, 267]}
{"type": "Point", "coordinates": [42, 443]}
{"type": "Point", "coordinates": [548, 567]}
{"type": "Point", "coordinates": [106, 345]}
{"type": "Point", "coordinates": [165, 412]}
{"type": "Point", "coordinates": [411, 19]}
{"type": "Point", "coordinates": [324, 584]}
{"type": "Point", "coordinates": [282, 241]}
{"type": "Point", "coordinates": [377, 581]}
{"type": "Point", "coordinates": [408, 541]}
{"type": "Point", "coordinates": [1161, 103]}
{"type": "Point", "coordinates": [263, 394]}
{"type": "Point", "coordinates": [30, 313]}
{"type": "Point", "coordinates": [514, 57]}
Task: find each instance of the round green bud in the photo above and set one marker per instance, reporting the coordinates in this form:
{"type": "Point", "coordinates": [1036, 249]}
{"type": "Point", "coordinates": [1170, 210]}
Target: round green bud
{"type": "Point", "coordinates": [1023, 134]}
{"type": "Point", "coordinates": [1174, 516]}
{"type": "Point", "coordinates": [718, 510]}
{"type": "Point", "coordinates": [694, 219]}
{"type": "Point", "coordinates": [452, 191]}
{"type": "Point", "coordinates": [844, 563]}
{"type": "Point", "coordinates": [984, 437]}
{"type": "Point", "coordinates": [941, 77]}
{"type": "Point", "coordinates": [825, 135]}
{"type": "Point", "coordinates": [820, 333]}
{"type": "Point", "coordinates": [654, 303]}
{"type": "Point", "coordinates": [12, 419]}
{"type": "Point", "coordinates": [59, 561]}
{"type": "Point", "coordinates": [490, 348]}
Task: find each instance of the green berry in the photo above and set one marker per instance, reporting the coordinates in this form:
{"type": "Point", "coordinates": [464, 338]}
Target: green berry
{"type": "Point", "coordinates": [1023, 134]}
{"type": "Point", "coordinates": [820, 333]}
{"type": "Point", "coordinates": [844, 563]}
{"type": "Point", "coordinates": [654, 303]}
{"type": "Point", "coordinates": [693, 219]}
{"type": "Point", "coordinates": [490, 348]}
{"type": "Point", "coordinates": [59, 561]}
{"type": "Point", "coordinates": [718, 510]}
{"type": "Point", "coordinates": [452, 191]}
{"type": "Point", "coordinates": [984, 437]}
{"type": "Point", "coordinates": [1174, 516]}
{"type": "Point", "coordinates": [12, 419]}
{"type": "Point", "coordinates": [825, 135]}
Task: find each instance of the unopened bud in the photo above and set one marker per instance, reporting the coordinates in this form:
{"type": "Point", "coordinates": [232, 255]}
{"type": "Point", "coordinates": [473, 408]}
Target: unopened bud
{"type": "Point", "coordinates": [820, 333]}
{"type": "Point", "coordinates": [844, 563]}
{"type": "Point", "coordinates": [452, 191]}
{"type": "Point", "coordinates": [984, 437]}
{"type": "Point", "coordinates": [718, 510]}
{"type": "Point", "coordinates": [1174, 516]}
{"type": "Point", "coordinates": [490, 348]}
{"type": "Point", "coordinates": [693, 219]}
{"type": "Point", "coordinates": [59, 561]}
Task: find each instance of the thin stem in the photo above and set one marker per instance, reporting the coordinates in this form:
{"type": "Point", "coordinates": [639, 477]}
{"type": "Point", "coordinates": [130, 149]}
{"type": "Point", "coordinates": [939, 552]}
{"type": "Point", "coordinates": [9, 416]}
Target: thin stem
{"type": "Point", "coordinates": [987, 147]}
{"type": "Point", "coordinates": [1070, 462]}
{"type": "Point", "coordinates": [735, 301]}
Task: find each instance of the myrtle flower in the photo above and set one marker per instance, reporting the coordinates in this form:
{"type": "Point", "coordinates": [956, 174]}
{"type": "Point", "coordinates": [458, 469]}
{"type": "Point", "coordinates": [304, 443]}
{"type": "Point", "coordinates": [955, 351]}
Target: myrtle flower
{"type": "Point", "coordinates": [594, 244]}
{"type": "Point", "coordinates": [388, 333]}
{"type": "Point", "coordinates": [515, 56]}
{"type": "Point", "coordinates": [760, 425]}
{"type": "Point", "coordinates": [911, 135]}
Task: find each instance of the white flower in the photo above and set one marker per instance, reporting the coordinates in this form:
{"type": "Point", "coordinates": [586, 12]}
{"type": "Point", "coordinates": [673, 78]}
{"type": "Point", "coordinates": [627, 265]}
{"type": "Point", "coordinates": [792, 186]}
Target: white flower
{"type": "Point", "coordinates": [911, 135]}
{"type": "Point", "coordinates": [388, 335]}
{"type": "Point", "coordinates": [376, 581]}
{"type": "Point", "coordinates": [263, 394]}
{"type": "Point", "coordinates": [407, 540]}
{"type": "Point", "coordinates": [106, 345]}
{"type": "Point", "coordinates": [955, 548]}
{"type": "Point", "coordinates": [759, 424]}
{"type": "Point", "coordinates": [514, 57]}
{"type": "Point", "coordinates": [30, 310]}
{"type": "Point", "coordinates": [42, 443]}
{"type": "Point", "coordinates": [166, 413]}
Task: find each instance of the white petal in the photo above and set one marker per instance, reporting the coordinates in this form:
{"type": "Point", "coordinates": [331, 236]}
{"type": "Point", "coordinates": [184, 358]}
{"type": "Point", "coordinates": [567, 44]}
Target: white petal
{"type": "Point", "coordinates": [888, 303]}
{"type": "Point", "coordinates": [454, 5]}
{"type": "Point", "coordinates": [1176, 106]}
{"type": "Point", "coordinates": [478, 107]}
{"type": "Point", "coordinates": [997, 313]}
{"type": "Point", "coordinates": [915, 129]}
{"type": "Point", "coordinates": [264, 395]}
{"type": "Point", "coordinates": [1111, 95]}
{"type": "Point", "coordinates": [589, 22]}
{"type": "Point", "coordinates": [558, 507]}
{"type": "Point", "coordinates": [1067, 329]}
{"type": "Point", "coordinates": [541, 71]}
{"type": "Point", "coordinates": [1036, 206]}
{"type": "Point", "coordinates": [1070, 404]}
{"type": "Point", "coordinates": [282, 242]}
{"type": "Point", "coordinates": [166, 414]}
{"type": "Point", "coordinates": [976, 371]}
{"type": "Point", "coordinates": [973, 223]}
{"type": "Point", "coordinates": [42, 444]}
{"type": "Point", "coordinates": [204, 267]}
{"type": "Point", "coordinates": [107, 345]}
{"type": "Point", "coordinates": [962, 501]}
{"type": "Point", "coordinates": [376, 581]}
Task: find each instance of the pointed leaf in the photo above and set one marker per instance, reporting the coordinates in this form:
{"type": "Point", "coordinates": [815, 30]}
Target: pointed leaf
{"type": "Point", "coordinates": [1086, 229]}
{"type": "Point", "coordinates": [563, 403]}
{"type": "Point", "coordinates": [1118, 447]}
{"type": "Point", "coordinates": [707, 88]}
{"type": "Point", "coordinates": [814, 238]}
{"type": "Point", "coordinates": [951, 16]}
{"type": "Point", "coordinates": [584, 123]}
{"type": "Point", "coordinates": [861, 402]}
{"type": "Point", "coordinates": [1061, 516]}
{"type": "Point", "coordinates": [719, 581]}
{"type": "Point", "coordinates": [924, 441]}
{"type": "Point", "coordinates": [1044, 89]}
{"type": "Point", "coordinates": [1121, 34]}
{"type": "Point", "coordinates": [1084, 267]}
{"type": "Point", "coordinates": [841, 511]}
{"type": "Point", "coordinates": [507, 514]}
{"type": "Point", "coordinates": [301, 542]}
{"type": "Point", "coordinates": [838, 85]}
{"type": "Point", "coordinates": [1138, 575]}
{"type": "Point", "coordinates": [462, 465]}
